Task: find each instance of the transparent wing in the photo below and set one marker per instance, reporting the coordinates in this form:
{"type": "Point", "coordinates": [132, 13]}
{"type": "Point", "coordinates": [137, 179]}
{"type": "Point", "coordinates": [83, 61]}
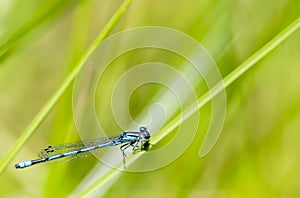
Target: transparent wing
{"type": "Point", "coordinates": [68, 147]}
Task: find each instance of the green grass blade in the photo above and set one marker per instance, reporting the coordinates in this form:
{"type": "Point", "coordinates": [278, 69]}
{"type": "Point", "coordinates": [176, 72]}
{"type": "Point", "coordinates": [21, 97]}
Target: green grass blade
{"type": "Point", "coordinates": [244, 67]}
{"type": "Point", "coordinates": [42, 15]}
{"type": "Point", "coordinates": [57, 95]}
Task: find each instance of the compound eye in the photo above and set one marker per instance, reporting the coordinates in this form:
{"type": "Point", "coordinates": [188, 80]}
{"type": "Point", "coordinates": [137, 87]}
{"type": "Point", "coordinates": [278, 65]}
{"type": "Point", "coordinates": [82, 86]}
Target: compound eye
{"type": "Point", "coordinates": [143, 129]}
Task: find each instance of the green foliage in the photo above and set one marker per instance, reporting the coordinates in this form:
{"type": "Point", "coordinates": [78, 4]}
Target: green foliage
{"type": "Point", "coordinates": [43, 46]}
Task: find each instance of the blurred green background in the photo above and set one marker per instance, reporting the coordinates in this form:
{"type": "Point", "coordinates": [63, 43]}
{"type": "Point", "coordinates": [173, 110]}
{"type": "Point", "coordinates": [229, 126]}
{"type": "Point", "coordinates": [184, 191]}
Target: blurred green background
{"type": "Point", "coordinates": [257, 153]}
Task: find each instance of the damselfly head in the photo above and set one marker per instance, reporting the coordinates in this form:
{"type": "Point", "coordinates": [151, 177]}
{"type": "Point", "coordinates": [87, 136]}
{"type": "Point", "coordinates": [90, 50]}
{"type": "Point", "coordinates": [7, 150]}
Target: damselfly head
{"type": "Point", "coordinates": [145, 133]}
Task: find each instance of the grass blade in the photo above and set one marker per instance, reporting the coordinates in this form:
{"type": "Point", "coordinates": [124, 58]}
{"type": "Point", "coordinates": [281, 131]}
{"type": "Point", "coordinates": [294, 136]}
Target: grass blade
{"type": "Point", "coordinates": [29, 131]}
{"type": "Point", "coordinates": [40, 17]}
{"type": "Point", "coordinates": [112, 174]}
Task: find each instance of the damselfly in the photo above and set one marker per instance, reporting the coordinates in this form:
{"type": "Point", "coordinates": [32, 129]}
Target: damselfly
{"type": "Point", "coordinates": [136, 140]}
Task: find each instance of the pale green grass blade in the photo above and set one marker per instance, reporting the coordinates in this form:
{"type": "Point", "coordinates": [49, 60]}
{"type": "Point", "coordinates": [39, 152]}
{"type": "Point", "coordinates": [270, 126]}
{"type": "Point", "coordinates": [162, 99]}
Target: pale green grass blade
{"type": "Point", "coordinates": [57, 95]}
{"type": "Point", "coordinates": [63, 130]}
{"type": "Point", "coordinates": [43, 14]}
{"type": "Point", "coordinates": [229, 79]}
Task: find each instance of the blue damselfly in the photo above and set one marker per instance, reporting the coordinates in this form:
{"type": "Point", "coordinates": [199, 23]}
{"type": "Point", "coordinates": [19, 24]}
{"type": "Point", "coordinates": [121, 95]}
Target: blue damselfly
{"type": "Point", "coordinates": [136, 140]}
